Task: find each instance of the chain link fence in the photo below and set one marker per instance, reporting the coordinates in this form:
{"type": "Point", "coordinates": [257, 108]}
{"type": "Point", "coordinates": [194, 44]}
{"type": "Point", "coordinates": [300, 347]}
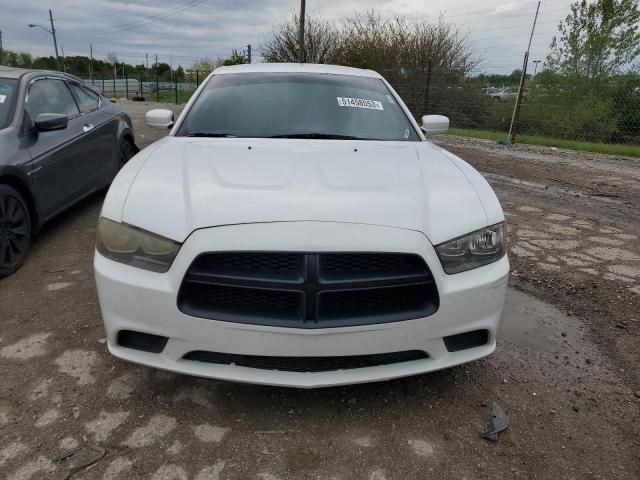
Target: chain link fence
{"type": "Point", "coordinates": [148, 86]}
{"type": "Point", "coordinates": [603, 110]}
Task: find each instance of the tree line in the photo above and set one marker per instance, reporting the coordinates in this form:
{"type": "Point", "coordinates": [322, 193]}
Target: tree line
{"type": "Point", "coordinates": [111, 66]}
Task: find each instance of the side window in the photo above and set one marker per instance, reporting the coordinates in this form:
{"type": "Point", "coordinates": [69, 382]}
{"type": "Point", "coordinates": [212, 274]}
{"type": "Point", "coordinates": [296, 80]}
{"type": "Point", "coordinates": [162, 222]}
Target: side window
{"type": "Point", "coordinates": [50, 96]}
{"type": "Point", "coordinates": [87, 101]}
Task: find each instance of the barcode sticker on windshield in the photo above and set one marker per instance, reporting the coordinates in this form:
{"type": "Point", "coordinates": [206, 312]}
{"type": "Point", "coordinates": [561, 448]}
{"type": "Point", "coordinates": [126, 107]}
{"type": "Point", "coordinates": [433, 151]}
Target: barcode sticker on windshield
{"type": "Point", "coordinates": [360, 103]}
{"type": "Point", "coordinates": [2, 98]}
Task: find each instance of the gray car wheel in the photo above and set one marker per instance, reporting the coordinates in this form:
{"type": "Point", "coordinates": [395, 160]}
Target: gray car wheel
{"type": "Point", "coordinates": [127, 150]}
{"type": "Point", "coordinates": [15, 230]}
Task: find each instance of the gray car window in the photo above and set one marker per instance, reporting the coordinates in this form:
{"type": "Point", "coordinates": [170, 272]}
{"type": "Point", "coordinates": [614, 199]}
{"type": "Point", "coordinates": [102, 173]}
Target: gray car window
{"type": "Point", "coordinates": [50, 96]}
{"type": "Point", "coordinates": [86, 101]}
{"type": "Point", "coordinates": [7, 91]}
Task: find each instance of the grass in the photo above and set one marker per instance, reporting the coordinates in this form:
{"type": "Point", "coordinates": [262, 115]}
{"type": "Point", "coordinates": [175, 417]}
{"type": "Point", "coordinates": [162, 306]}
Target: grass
{"type": "Point", "coordinates": [610, 149]}
{"type": "Point", "coordinates": [163, 96]}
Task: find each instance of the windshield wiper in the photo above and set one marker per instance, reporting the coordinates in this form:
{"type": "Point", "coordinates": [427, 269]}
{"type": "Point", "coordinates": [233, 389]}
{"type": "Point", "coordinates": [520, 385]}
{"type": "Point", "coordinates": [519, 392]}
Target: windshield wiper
{"type": "Point", "coordinates": [322, 136]}
{"type": "Point", "coordinates": [210, 134]}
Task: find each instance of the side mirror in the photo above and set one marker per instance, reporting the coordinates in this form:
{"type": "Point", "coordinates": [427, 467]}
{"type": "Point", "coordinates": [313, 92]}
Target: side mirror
{"type": "Point", "coordinates": [160, 118]}
{"type": "Point", "coordinates": [47, 122]}
{"type": "Point", "coordinates": [434, 124]}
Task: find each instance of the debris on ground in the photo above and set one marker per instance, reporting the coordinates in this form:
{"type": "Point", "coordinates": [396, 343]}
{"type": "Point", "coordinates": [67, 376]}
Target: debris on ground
{"type": "Point", "coordinates": [497, 422]}
{"type": "Point", "coordinates": [101, 452]}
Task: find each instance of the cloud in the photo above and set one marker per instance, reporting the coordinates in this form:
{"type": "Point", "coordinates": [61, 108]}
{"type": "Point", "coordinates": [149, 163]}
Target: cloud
{"type": "Point", "coordinates": [184, 30]}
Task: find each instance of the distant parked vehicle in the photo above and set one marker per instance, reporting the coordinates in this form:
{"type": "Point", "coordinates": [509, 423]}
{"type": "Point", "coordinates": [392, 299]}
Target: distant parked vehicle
{"type": "Point", "coordinates": [503, 94]}
{"type": "Point", "coordinates": [60, 141]}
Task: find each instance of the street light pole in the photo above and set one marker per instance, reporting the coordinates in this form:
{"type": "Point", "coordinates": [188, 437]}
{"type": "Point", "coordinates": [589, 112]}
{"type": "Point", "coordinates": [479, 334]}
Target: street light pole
{"type": "Point", "coordinates": [52, 32]}
{"type": "Point", "coordinates": [301, 33]}
{"type": "Point", "coordinates": [535, 70]}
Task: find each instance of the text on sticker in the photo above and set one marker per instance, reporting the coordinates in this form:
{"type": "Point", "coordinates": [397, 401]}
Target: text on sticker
{"type": "Point", "coordinates": [360, 103]}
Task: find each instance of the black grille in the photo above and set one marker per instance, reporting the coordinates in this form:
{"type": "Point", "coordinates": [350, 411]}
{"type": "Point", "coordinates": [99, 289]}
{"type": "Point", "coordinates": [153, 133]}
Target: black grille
{"type": "Point", "coordinates": [308, 290]}
{"type": "Point", "coordinates": [234, 301]}
{"type": "Point", "coordinates": [251, 265]}
{"type": "Point", "coordinates": [306, 364]}
{"type": "Point", "coordinates": [368, 266]}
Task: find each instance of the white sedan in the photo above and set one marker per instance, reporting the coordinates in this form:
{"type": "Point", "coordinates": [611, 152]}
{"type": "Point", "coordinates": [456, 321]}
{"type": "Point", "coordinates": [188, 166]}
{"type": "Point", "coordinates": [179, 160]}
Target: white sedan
{"type": "Point", "coordinates": [296, 228]}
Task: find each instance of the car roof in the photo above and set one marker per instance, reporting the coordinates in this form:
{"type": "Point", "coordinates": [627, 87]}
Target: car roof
{"type": "Point", "coordinates": [15, 73]}
{"type": "Point", "coordinates": [296, 68]}
{"type": "Point", "coordinates": [12, 72]}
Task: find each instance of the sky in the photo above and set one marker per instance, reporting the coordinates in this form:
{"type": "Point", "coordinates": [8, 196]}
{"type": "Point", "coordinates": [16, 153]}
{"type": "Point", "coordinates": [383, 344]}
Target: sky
{"type": "Point", "coordinates": [181, 31]}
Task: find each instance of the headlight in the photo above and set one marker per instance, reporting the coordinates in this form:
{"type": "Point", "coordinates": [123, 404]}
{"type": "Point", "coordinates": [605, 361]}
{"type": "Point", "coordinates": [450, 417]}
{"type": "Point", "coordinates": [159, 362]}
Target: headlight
{"type": "Point", "coordinates": [133, 246]}
{"type": "Point", "coordinates": [473, 250]}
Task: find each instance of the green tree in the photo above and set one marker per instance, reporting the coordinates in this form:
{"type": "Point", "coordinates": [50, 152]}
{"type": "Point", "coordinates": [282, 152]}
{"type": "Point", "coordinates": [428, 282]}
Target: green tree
{"type": "Point", "coordinates": [236, 58]}
{"type": "Point", "coordinates": [597, 38]}
{"type": "Point", "coordinates": [204, 66]}
{"type": "Point", "coordinates": [180, 75]}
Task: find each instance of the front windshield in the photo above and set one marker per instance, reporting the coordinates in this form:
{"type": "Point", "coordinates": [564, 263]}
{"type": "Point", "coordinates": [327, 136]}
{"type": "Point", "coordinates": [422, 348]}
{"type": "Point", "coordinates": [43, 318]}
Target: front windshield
{"type": "Point", "coordinates": [298, 105]}
{"type": "Point", "coordinates": [7, 92]}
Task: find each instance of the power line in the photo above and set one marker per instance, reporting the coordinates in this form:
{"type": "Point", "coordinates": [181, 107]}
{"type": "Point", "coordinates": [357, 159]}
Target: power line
{"type": "Point", "coordinates": [499, 37]}
{"type": "Point", "coordinates": [106, 12]}
{"type": "Point", "coordinates": [140, 23]}
{"type": "Point", "coordinates": [509, 27]}
{"type": "Point", "coordinates": [539, 44]}
{"type": "Point", "coordinates": [481, 12]}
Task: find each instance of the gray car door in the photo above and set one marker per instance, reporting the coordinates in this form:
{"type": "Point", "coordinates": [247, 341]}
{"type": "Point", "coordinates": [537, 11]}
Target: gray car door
{"type": "Point", "coordinates": [100, 137]}
{"type": "Point", "coordinates": [62, 167]}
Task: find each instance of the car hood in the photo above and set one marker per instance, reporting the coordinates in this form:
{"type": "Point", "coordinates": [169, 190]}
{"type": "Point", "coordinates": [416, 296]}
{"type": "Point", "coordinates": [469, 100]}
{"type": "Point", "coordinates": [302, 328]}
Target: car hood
{"type": "Point", "coordinates": [182, 184]}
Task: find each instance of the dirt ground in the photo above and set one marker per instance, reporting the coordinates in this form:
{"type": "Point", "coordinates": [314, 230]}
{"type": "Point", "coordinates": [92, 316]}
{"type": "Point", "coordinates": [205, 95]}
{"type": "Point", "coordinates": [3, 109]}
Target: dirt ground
{"type": "Point", "coordinates": [566, 368]}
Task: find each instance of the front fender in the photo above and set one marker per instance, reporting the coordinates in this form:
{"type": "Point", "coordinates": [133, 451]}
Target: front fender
{"type": "Point", "coordinates": [125, 129]}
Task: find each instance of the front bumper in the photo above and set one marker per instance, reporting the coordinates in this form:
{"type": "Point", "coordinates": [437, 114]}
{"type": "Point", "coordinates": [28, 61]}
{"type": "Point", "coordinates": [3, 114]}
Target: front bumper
{"type": "Point", "coordinates": [138, 300]}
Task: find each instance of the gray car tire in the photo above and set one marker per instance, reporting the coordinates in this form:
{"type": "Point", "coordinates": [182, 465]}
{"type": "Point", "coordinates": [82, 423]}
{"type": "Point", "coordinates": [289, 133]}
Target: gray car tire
{"type": "Point", "coordinates": [15, 230]}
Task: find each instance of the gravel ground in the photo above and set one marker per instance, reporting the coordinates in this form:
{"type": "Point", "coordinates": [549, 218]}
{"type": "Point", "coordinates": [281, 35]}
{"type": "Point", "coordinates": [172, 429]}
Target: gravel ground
{"type": "Point", "coordinates": [565, 371]}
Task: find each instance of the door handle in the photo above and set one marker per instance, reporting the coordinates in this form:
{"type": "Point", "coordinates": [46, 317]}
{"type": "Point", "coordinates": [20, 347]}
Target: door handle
{"type": "Point", "coordinates": [87, 127]}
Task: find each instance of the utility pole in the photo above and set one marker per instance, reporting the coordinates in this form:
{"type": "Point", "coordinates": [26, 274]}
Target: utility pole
{"type": "Point", "coordinates": [516, 108]}
{"type": "Point", "coordinates": [301, 32]}
{"type": "Point", "coordinates": [248, 51]}
{"type": "Point", "coordinates": [55, 40]}
{"type": "Point", "coordinates": [1, 48]}
{"type": "Point", "coordinates": [64, 65]}
{"type": "Point", "coordinates": [91, 63]}
{"type": "Point", "coordinates": [157, 80]}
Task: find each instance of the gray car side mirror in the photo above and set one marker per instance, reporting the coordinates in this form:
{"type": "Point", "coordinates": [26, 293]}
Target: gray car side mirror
{"type": "Point", "coordinates": [47, 122]}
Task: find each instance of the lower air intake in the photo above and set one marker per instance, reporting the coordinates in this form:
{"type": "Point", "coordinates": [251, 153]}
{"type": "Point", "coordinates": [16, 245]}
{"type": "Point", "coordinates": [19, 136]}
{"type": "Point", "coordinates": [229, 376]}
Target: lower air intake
{"type": "Point", "coordinates": [144, 342]}
{"type": "Point", "coordinates": [464, 341]}
{"type": "Point", "coordinates": [306, 364]}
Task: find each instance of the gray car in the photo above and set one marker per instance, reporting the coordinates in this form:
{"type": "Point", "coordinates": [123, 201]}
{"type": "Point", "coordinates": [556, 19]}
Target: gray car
{"type": "Point", "coordinates": [60, 141]}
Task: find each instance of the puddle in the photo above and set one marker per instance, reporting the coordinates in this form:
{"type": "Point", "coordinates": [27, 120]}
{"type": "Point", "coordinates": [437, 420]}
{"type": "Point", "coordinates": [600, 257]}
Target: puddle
{"type": "Point", "coordinates": [532, 324]}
